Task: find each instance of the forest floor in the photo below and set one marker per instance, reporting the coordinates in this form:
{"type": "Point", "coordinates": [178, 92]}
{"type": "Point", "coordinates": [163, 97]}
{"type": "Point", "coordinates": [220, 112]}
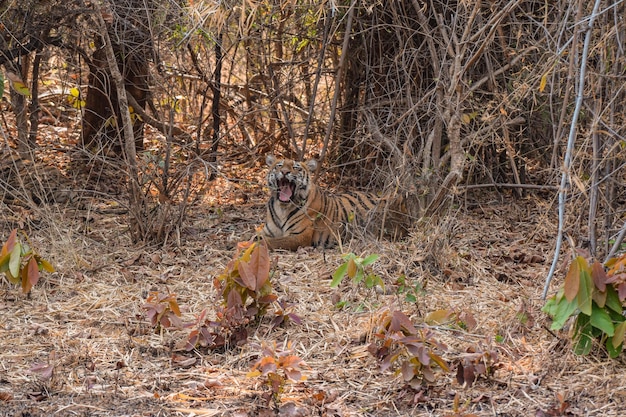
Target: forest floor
{"type": "Point", "coordinates": [80, 343]}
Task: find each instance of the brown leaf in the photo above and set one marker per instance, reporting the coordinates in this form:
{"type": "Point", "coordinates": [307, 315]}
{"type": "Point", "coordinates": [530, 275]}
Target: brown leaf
{"type": "Point", "coordinates": [599, 297]}
{"type": "Point", "coordinates": [266, 364]}
{"type": "Point", "coordinates": [233, 299]}
{"type": "Point", "coordinates": [8, 245]}
{"type": "Point", "coordinates": [293, 374]}
{"type": "Point", "coordinates": [256, 271]}
{"type": "Point", "coordinates": [469, 376]}
{"type": "Point", "coordinates": [439, 361]}
{"type": "Point", "coordinates": [400, 322]}
{"type": "Point", "coordinates": [468, 319]}
{"type": "Point", "coordinates": [407, 371]}
{"type": "Point", "coordinates": [351, 268]}
{"type": "Point", "coordinates": [183, 361]}
{"type": "Point", "coordinates": [212, 383]}
{"type": "Point", "coordinates": [438, 316]}
{"type": "Point", "coordinates": [174, 306]}
{"type": "Point", "coordinates": [428, 374]}
{"type": "Point", "coordinates": [292, 410]}
{"type": "Point", "coordinates": [621, 291]}
{"type": "Point", "coordinates": [572, 281]}
{"type": "Point", "coordinates": [599, 276]}
{"type": "Point", "coordinates": [291, 361]}
{"type": "Point", "coordinates": [44, 370]}
{"type": "Point", "coordinates": [32, 275]}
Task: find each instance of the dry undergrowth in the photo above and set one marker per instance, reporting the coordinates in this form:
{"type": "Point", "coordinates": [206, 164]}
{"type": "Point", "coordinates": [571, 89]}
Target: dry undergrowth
{"type": "Point", "coordinates": [87, 325]}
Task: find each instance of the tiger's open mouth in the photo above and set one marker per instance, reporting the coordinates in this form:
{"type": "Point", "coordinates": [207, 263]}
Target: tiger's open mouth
{"type": "Point", "coordinates": [286, 189]}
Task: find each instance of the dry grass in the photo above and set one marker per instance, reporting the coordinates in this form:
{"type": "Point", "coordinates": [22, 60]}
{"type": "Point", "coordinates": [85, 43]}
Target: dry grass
{"type": "Point", "coordinates": [488, 260]}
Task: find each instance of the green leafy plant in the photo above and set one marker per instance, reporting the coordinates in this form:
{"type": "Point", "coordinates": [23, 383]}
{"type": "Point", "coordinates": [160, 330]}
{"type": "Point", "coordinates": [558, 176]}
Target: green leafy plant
{"type": "Point", "coordinates": [410, 291]}
{"type": "Point", "coordinates": [356, 268]}
{"type": "Point", "coordinates": [277, 367]}
{"type": "Point", "coordinates": [163, 311]}
{"type": "Point", "coordinates": [412, 352]}
{"type": "Point", "coordinates": [595, 298]}
{"type": "Point", "coordinates": [20, 264]}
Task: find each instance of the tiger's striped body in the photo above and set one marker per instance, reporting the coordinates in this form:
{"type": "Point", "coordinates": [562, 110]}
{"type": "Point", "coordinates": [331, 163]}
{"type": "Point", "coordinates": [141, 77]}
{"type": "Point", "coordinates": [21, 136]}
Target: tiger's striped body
{"type": "Point", "coordinates": [299, 213]}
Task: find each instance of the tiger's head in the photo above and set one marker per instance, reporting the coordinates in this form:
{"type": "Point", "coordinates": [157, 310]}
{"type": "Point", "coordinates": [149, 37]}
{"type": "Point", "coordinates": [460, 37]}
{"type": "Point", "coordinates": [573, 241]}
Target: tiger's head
{"type": "Point", "coordinates": [289, 180]}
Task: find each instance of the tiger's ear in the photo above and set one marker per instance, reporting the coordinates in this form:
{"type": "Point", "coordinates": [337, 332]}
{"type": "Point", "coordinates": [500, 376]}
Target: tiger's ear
{"type": "Point", "coordinates": [311, 164]}
{"type": "Point", "coordinates": [270, 159]}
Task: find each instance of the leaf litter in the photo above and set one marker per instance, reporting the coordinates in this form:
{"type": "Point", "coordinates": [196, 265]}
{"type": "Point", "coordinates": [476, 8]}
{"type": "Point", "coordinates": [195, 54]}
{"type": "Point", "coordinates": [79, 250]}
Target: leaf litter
{"type": "Point", "coordinates": [100, 356]}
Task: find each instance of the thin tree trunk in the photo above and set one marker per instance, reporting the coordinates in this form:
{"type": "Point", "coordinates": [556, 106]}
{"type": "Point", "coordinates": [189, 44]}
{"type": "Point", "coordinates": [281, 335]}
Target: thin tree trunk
{"type": "Point", "coordinates": [339, 78]}
{"type": "Point", "coordinates": [215, 106]}
{"type": "Point", "coordinates": [34, 104]}
{"type": "Point", "coordinates": [567, 160]}
{"type": "Point", "coordinates": [137, 204]}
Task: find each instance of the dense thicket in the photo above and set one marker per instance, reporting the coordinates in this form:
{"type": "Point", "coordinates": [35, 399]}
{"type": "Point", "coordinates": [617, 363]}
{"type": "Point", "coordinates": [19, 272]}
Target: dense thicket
{"type": "Point", "coordinates": [420, 96]}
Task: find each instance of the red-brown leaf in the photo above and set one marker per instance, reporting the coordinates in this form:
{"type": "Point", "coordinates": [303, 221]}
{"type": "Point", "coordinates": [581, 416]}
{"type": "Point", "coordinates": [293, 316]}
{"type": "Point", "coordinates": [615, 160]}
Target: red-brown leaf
{"type": "Point", "coordinates": [33, 273]}
{"type": "Point", "coordinates": [407, 371]}
{"type": "Point", "coordinates": [621, 291]}
{"type": "Point", "coordinates": [293, 374]}
{"type": "Point", "coordinates": [291, 361]}
{"type": "Point", "coordinates": [468, 374]}
{"type": "Point", "coordinates": [44, 370]}
{"type": "Point", "coordinates": [598, 274]}
{"type": "Point", "coordinates": [255, 272]}
{"type": "Point", "coordinates": [400, 322]}
{"type": "Point", "coordinates": [233, 299]}
{"type": "Point", "coordinates": [572, 281]}
{"type": "Point", "coordinates": [25, 282]}
{"type": "Point", "coordinates": [8, 245]}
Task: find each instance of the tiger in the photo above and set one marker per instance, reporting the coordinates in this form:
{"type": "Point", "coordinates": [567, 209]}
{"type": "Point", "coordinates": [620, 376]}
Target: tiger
{"type": "Point", "coordinates": [301, 214]}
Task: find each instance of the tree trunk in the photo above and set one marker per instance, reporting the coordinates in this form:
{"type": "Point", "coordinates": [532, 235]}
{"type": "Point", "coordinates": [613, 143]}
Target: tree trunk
{"type": "Point", "coordinates": [101, 124]}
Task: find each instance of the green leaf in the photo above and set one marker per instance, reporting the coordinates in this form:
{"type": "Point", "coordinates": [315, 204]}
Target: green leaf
{"type": "Point", "coordinates": [372, 280]}
{"type": "Point", "coordinates": [1, 85]}
{"type": "Point", "coordinates": [562, 311]}
{"type": "Point", "coordinates": [44, 265]}
{"type": "Point", "coordinates": [600, 319]}
{"type": "Point", "coordinates": [4, 262]}
{"type": "Point", "coordinates": [620, 331]}
{"type": "Point", "coordinates": [18, 84]}
{"type": "Point", "coordinates": [552, 303]}
{"type": "Point", "coordinates": [583, 345]}
{"type": "Point", "coordinates": [612, 299]}
{"type": "Point", "coordinates": [584, 298]}
{"type": "Point", "coordinates": [583, 330]}
{"type": "Point", "coordinates": [370, 259]}
{"type": "Point", "coordinates": [339, 274]}
{"type": "Point", "coordinates": [359, 276]}
{"type": "Point", "coordinates": [14, 262]}
{"type": "Point", "coordinates": [614, 351]}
